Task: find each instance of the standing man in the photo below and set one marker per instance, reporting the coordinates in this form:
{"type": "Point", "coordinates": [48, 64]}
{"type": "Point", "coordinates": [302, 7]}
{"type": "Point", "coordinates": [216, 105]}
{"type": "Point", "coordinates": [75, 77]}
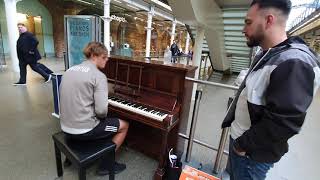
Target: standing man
{"type": "Point", "coordinates": [84, 104]}
{"type": "Point", "coordinates": [272, 101]}
{"type": "Point", "coordinates": [28, 54]}
{"type": "Point", "coordinates": [174, 51]}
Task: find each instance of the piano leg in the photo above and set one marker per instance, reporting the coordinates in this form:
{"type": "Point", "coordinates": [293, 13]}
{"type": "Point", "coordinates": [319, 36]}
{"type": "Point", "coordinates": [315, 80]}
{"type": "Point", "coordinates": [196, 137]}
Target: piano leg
{"type": "Point", "coordinates": [160, 172]}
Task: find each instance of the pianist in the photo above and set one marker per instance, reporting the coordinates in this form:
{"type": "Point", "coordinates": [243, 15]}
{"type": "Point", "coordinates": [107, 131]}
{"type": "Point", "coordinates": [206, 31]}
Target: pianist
{"type": "Point", "coordinates": [84, 104]}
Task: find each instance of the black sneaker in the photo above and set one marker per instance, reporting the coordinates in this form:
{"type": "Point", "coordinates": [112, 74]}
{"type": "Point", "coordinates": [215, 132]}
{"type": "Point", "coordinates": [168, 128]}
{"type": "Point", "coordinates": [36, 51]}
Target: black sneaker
{"type": "Point", "coordinates": [49, 79]}
{"type": "Point", "coordinates": [19, 84]}
{"type": "Point", "coordinates": [102, 171]}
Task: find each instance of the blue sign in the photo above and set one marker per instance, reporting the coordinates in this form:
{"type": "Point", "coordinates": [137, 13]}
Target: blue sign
{"type": "Point", "coordinates": [79, 34]}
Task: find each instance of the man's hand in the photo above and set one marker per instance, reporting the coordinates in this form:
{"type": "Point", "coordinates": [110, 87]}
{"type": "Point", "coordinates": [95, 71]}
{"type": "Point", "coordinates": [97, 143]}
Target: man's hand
{"type": "Point", "coordinates": [237, 149]}
{"type": "Point", "coordinates": [239, 152]}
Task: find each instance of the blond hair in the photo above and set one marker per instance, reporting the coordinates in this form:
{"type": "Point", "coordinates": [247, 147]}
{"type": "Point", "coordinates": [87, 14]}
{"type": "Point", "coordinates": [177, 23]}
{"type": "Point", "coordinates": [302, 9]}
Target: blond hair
{"type": "Point", "coordinates": [94, 49]}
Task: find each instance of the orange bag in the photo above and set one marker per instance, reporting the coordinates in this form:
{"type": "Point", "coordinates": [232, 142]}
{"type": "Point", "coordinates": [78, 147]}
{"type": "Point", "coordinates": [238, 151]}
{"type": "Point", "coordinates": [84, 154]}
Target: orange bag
{"type": "Point", "coordinates": [190, 173]}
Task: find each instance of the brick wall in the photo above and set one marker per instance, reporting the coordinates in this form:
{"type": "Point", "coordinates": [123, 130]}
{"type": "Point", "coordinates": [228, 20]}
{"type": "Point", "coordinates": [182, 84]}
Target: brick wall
{"type": "Point", "coordinates": [58, 9]}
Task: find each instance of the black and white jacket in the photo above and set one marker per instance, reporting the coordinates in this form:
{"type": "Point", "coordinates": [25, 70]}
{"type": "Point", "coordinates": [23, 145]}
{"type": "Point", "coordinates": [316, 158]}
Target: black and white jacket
{"type": "Point", "coordinates": [280, 84]}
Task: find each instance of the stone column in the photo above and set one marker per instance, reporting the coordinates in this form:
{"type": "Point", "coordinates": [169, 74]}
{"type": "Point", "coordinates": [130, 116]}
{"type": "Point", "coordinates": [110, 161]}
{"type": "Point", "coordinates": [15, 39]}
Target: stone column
{"type": "Point", "coordinates": [13, 34]}
{"type": "Point", "coordinates": [173, 31]}
{"type": "Point", "coordinates": [187, 43]}
{"type": "Point", "coordinates": [107, 20]}
{"type": "Point", "coordinates": [149, 29]}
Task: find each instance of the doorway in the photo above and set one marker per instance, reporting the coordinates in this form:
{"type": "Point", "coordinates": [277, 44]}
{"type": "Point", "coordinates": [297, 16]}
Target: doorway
{"type": "Point", "coordinates": [34, 25]}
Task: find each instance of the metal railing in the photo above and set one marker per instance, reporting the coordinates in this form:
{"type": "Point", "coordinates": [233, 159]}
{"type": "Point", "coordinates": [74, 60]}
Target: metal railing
{"type": "Point", "coordinates": [308, 13]}
{"type": "Point", "coordinates": [224, 134]}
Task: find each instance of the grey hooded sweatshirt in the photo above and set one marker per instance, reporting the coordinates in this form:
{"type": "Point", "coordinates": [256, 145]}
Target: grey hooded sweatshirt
{"type": "Point", "coordinates": [83, 98]}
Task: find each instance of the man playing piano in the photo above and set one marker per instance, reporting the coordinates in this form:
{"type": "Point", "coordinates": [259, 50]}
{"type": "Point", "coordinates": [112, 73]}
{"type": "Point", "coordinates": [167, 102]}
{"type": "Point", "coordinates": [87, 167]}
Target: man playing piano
{"type": "Point", "coordinates": [84, 103]}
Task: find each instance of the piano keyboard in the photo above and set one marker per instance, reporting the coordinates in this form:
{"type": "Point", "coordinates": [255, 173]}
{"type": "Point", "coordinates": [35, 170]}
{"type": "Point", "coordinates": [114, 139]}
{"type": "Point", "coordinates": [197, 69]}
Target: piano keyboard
{"type": "Point", "coordinates": [137, 108]}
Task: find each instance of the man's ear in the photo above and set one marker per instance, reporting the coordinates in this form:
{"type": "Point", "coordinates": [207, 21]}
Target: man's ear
{"type": "Point", "coordinates": [270, 20]}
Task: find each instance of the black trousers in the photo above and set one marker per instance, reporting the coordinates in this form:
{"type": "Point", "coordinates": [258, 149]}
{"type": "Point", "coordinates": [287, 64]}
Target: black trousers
{"type": "Point", "coordinates": [37, 67]}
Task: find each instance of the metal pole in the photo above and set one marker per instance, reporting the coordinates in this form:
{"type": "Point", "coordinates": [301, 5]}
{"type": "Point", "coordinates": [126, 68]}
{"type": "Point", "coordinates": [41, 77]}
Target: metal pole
{"type": "Point", "coordinates": [193, 124]}
{"type": "Point", "coordinates": [202, 143]}
{"type": "Point", "coordinates": [222, 143]}
{"type": "Point", "coordinates": [66, 62]}
{"type": "Point", "coordinates": [173, 31]}
{"type": "Point", "coordinates": [107, 19]}
{"type": "Point", "coordinates": [149, 29]}
{"type": "Point", "coordinates": [212, 83]}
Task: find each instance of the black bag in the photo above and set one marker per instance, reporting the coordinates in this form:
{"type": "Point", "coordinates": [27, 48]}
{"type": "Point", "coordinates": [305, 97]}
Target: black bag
{"type": "Point", "coordinates": [173, 173]}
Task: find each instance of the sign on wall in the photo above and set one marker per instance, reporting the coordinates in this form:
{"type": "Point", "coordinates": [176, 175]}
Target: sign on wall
{"type": "Point", "coordinates": [79, 31]}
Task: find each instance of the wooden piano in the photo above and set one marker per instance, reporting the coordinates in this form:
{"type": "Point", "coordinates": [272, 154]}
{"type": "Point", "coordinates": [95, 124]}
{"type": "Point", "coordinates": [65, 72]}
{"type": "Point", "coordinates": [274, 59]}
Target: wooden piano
{"type": "Point", "coordinates": [155, 98]}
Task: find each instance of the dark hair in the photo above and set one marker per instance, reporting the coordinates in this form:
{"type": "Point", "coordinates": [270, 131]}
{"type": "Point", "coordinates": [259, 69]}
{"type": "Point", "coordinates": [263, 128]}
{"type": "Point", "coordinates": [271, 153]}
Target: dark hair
{"type": "Point", "coordinates": [283, 5]}
{"type": "Point", "coordinates": [95, 49]}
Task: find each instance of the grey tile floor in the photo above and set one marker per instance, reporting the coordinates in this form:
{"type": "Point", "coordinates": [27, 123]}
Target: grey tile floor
{"type": "Point", "coordinates": [26, 148]}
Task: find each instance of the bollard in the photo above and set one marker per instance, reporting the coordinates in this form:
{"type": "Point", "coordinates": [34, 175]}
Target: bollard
{"type": "Point", "coordinates": [222, 144]}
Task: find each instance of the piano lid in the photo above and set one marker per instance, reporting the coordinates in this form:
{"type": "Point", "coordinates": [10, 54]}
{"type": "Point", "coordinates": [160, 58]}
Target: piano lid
{"type": "Point", "coordinates": [168, 65]}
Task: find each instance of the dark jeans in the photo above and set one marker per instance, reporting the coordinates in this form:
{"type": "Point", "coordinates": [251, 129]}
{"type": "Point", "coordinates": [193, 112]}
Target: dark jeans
{"type": "Point", "coordinates": [37, 67]}
{"type": "Point", "coordinates": [244, 168]}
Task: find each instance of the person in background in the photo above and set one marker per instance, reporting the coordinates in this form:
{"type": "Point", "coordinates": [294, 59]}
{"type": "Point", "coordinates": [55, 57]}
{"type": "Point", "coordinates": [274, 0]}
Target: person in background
{"type": "Point", "coordinates": [272, 101]}
{"type": "Point", "coordinates": [174, 51]}
{"type": "Point", "coordinates": [167, 54]}
{"type": "Point", "coordinates": [28, 54]}
{"type": "Point", "coordinates": [84, 104]}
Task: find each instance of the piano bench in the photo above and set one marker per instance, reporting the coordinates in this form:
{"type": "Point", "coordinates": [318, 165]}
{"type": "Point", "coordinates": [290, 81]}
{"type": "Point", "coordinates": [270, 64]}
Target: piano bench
{"type": "Point", "coordinates": [82, 153]}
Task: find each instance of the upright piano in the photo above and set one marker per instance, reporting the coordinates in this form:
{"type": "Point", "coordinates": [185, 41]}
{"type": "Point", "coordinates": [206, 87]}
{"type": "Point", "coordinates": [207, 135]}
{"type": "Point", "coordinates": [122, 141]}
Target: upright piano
{"type": "Point", "coordinates": [155, 98]}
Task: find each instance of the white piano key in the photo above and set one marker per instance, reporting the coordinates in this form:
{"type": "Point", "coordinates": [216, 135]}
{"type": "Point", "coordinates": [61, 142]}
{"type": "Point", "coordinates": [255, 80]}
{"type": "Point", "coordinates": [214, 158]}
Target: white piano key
{"type": "Point", "coordinates": [139, 109]}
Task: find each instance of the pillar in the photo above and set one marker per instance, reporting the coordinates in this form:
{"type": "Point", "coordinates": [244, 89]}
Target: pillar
{"type": "Point", "coordinates": [107, 20]}
{"type": "Point", "coordinates": [13, 34]}
{"type": "Point", "coordinates": [173, 31]}
{"type": "Point", "coordinates": [187, 43]}
{"type": "Point", "coordinates": [149, 29]}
